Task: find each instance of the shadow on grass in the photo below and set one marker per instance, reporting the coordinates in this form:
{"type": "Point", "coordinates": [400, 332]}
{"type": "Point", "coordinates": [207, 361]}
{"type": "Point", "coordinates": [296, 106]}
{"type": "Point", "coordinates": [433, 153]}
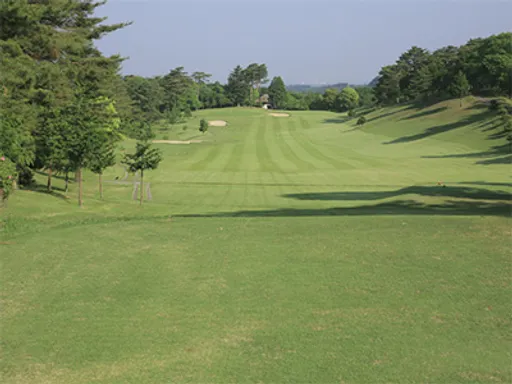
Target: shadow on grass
{"type": "Point", "coordinates": [425, 113]}
{"type": "Point", "coordinates": [485, 183]}
{"type": "Point", "coordinates": [54, 176]}
{"type": "Point", "coordinates": [442, 128]}
{"type": "Point", "coordinates": [499, 160]}
{"type": "Point", "coordinates": [456, 192]}
{"type": "Point", "coordinates": [339, 120]}
{"type": "Point", "coordinates": [497, 150]}
{"type": "Point", "coordinates": [404, 207]}
{"type": "Point", "coordinates": [39, 188]}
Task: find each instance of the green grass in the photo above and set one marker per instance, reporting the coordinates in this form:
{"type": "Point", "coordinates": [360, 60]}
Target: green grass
{"type": "Point", "coordinates": [278, 250]}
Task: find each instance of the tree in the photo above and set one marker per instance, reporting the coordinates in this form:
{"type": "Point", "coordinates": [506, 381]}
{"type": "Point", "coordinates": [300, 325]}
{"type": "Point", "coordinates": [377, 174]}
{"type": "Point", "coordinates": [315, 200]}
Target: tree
{"type": "Point", "coordinates": [251, 76]}
{"type": "Point", "coordinates": [238, 88]}
{"type": "Point", "coordinates": [101, 157]}
{"type": "Point", "coordinates": [387, 89]}
{"type": "Point", "coordinates": [329, 99]}
{"type": "Point", "coordinates": [102, 153]}
{"type": "Point", "coordinates": [277, 92]}
{"type": "Point", "coordinates": [144, 158]}
{"type": "Point", "coordinates": [347, 100]}
{"type": "Point", "coordinates": [7, 177]}
{"type": "Point", "coordinates": [203, 126]}
{"type": "Point", "coordinates": [410, 65]}
{"type": "Point", "coordinates": [366, 96]}
{"type": "Point", "coordinates": [460, 86]}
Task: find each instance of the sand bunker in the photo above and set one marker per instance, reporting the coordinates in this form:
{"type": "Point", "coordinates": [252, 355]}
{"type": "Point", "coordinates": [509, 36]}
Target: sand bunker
{"type": "Point", "coordinates": [280, 114]}
{"type": "Point", "coordinates": [217, 123]}
{"type": "Point", "coordinates": [176, 141]}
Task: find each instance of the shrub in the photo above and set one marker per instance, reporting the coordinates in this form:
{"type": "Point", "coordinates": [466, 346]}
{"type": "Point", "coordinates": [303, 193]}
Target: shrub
{"type": "Point", "coordinates": [203, 125]}
{"type": "Point", "coordinates": [165, 137]}
{"type": "Point", "coordinates": [7, 177]}
{"type": "Point", "coordinates": [361, 120]}
{"type": "Point", "coordinates": [185, 127]}
{"type": "Point", "coordinates": [351, 113]}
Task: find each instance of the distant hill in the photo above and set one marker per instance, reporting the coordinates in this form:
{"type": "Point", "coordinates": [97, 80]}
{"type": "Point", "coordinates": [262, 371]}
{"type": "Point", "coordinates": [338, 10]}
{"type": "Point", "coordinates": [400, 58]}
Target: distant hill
{"type": "Point", "coordinates": [314, 88]}
{"type": "Point", "coordinates": [374, 81]}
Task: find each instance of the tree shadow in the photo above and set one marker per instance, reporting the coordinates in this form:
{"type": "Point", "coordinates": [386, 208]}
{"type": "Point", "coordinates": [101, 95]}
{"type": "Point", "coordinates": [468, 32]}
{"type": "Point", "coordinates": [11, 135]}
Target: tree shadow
{"type": "Point", "coordinates": [388, 114]}
{"type": "Point", "coordinates": [396, 208]}
{"type": "Point", "coordinates": [39, 188]}
{"type": "Point", "coordinates": [497, 150]}
{"type": "Point", "coordinates": [339, 120]}
{"type": "Point", "coordinates": [499, 160]}
{"type": "Point", "coordinates": [425, 113]}
{"type": "Point", "coordinates": [485, 183]}
{"type": "Point", "coordinates": [448, 191]}
{"type": "Point", "coordinates": [442, 128]}
{"type": "Point", "coordinates": [54, 176]}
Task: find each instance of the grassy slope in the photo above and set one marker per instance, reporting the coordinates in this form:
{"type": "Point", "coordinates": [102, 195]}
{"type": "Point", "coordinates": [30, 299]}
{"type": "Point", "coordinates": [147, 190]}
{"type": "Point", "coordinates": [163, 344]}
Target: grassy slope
{"type": "Point", "coordinates": [278, 250]}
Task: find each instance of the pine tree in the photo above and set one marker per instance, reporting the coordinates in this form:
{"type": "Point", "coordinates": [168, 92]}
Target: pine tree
{"type": "Point", "coordinates": [277, 92]}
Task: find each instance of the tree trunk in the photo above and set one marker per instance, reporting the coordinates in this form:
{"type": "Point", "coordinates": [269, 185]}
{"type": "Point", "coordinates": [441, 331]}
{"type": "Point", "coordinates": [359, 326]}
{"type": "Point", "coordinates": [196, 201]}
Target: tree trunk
{"type": "Point", "coordinates": [141, 186]}
{"type": "Point", "coordinates": [49, 182]}
{"type": "Point", "coordinates": [100, 179]}
{"type": "Point", "coordinates": [66, 180]}
{"type": "Point", "coordinates": [79, 176]}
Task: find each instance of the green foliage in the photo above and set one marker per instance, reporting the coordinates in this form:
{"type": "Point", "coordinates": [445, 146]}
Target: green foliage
{"type": "Point", "coordinates": [144, 158]}
{"type": "Point", "coordinates": [173, 116]}
{"type": "Point", "coordinates": [277, 92]}
{"type": "Point", "coordinates": [203, 126]}
{"type": "Point", "coordinates": [482, 65]}
{"type": "Point", "coordinates": [366, 96]}
{"type": "Point", "coordinates": [7, 176]}
{"type": "Point", "coordinates": [460, 86]}
{"type": "Point", "coordinates": [361, 121]}
{"type": "Point", "coordinates": [329, 99]}
{"type": "Point", "coordinates": [347, 100]}
{"type": "Point", "coordinates": [238, 88]}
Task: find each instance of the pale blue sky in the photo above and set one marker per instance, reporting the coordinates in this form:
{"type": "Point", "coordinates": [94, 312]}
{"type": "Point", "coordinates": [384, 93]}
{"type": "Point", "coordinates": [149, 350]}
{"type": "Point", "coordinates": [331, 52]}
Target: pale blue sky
{"type": "Point", "coordinates": [310, 41]}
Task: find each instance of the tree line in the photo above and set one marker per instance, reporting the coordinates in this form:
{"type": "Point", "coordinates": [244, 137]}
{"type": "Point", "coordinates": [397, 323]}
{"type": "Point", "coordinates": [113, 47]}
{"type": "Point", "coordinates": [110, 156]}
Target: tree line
{"type": "Point", "coordinates": [482, 67]}
{"type": "Point", "coordinates": [63, 104]}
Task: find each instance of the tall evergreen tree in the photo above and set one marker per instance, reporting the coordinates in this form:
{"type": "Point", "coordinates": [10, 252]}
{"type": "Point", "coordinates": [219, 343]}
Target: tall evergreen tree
{"type": "Point", "coordinates": [277, 92]}
{"type": "Point", "coordinates": [238, 88]}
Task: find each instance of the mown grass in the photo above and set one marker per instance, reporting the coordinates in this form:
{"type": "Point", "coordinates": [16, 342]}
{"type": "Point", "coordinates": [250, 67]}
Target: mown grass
{"type": "Point", "coordinates": [283, 250]}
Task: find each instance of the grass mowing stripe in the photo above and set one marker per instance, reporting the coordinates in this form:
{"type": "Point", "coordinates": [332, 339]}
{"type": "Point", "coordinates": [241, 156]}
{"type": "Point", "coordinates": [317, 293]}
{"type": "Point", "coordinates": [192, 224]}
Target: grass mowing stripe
{"type": "Point", "coordinates": [275, 150]}
{"type": "Point", "coordinates": [312, 149]}
{"type": "Point", "coordinates": [216, 150]}
{"type": "Point", "coordinates": [234, 162]}
{"type": "Point", "coordinates": [286, 149]}
{"type": "Point", "coordinates": [249, 160]}
{"type": "Point", "coordinates": [301, 150]}
{"type": "Point", "coordinates": [265, 162]}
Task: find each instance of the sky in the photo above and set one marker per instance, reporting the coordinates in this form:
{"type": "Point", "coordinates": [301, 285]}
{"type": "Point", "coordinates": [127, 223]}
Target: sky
{"type": "Point", "coordinates": [304, 41]}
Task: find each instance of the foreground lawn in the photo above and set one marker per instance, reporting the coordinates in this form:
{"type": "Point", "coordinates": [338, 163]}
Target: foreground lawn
{"type": "Point", "coordinates": [278, 250]}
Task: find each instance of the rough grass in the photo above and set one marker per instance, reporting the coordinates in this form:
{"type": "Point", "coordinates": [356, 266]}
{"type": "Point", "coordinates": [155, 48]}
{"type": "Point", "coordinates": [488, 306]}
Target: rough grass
{"type": "Point", "coordinates": [278, 250]}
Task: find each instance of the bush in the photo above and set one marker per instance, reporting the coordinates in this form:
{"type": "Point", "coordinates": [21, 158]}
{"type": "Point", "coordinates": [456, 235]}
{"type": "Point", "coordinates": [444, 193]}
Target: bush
{"type": "Point", "coordinates": [361, 120]}
{"type": "Point", "coordinates": [185, 127]}
{"type": "Point", "coordinates": [351, 113]}
{"type": "Point", "coordinates": [203, 125]}
{"type": "Point", "coordinates": [7, 177]}
{"type": "Point", "coordinates": [25, 176]}
{"type": "Point", "coordinates": [165, 137]}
